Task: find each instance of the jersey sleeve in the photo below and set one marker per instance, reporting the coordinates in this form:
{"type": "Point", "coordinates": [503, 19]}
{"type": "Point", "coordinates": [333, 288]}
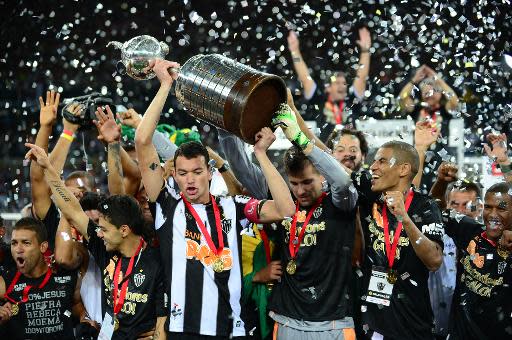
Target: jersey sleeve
{"type": "Point", "coordinates": [430, 222]}
{"type": "Point", "coordinates": [461, 228]}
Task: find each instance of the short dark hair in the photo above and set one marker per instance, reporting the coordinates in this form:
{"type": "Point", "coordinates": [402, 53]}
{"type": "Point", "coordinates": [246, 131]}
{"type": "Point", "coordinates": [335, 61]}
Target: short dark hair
{"type": "Point", "coordinates": [336, 134]}
{"type": "Point", "coordinates": [464, 185]}
{"type": "Point", "coordinates": [30, 223]}
{"type": "Point", "coordinates": [295, 161]}
{"type": "Point", "coordinates": [191, 150]}
{"type": "Point", "coordinates": [404, 153]}
{"type": "Point", "coordinates": [82, 174]}
{"type": "Point", "coordinates": [501, 187]}
{"type": "Point", "coordinates": [91, 200]}
{"type": "Point", "coordinates": [123, 210]}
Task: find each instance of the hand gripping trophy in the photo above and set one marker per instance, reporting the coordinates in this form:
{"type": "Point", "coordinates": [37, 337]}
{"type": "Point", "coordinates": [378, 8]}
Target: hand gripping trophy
{"type": "Point", "coordinates": [213, 88]}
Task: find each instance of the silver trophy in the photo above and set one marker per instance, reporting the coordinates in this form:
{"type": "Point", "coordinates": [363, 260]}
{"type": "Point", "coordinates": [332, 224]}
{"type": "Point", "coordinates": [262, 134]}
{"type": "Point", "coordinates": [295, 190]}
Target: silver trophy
{"type": "Point", "coordinates": [213, 88]}
{"type": "Point", "coordinates": [136, 54]}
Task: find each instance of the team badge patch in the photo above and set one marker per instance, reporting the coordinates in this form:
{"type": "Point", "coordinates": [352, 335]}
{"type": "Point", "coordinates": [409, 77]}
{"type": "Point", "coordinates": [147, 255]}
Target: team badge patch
{"type": "Point", "coordinates": [139, 279]}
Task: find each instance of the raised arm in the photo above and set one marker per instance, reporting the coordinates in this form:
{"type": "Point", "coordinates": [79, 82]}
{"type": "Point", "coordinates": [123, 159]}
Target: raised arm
{"type": "Point", "coordinates": [282, 204]}
{"type": "Point", "coordinates": [60, 151]}
{"type": "Point", "coordinates": [405, 99]}
{"type": "Point", "coordinates": [452, 100]}
{"type": "Point", "coordinates": [67, 252]}
{"type": "Point", "coordinates": [363, 69]}
{"type": "Point", "coordinates": [498, 151]}
{"type": "Point", "coordinates": [425, 134]}
{"type": "Point", "coordinates": [300, 66]}
{"type": "Point", "coordinates": [446, 173]}
{"type": "Point", "coordinates": [344, 195]}
{"type": "Point", "coordinates": [110, 133]}
{"type": "Point", "coordinates": [302, 124]}
{"type": "Point", "coordinates": [40, 191]}
{"type": "Point", "coordinates": [232, 183]}
{"type": "Point", "coordinates": [67, 203]}
{"type": "Point", "coordinates": [149, 164]}
{"type": "Point", "coordinates": [249, 174]}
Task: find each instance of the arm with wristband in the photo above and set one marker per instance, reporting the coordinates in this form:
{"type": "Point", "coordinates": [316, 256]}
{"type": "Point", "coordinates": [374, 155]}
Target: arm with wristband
{"type": "Point", "coordinates": [39, 189]}
{"type": "Point", "coordinates": [344, 195]}
{"type": "Point", "coordinates": [60, 152]}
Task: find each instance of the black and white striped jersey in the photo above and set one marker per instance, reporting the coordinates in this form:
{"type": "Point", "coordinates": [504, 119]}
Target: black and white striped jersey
{"type": "Point", "coordinates": [200, 300]}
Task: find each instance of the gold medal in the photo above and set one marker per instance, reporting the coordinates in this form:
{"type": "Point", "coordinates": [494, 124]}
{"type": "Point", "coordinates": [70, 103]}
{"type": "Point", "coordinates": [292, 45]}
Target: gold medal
{"type": "Point", "coordinates": [291, 267]}
{"type": "Point", "coordinates": [392, 276]}
{"type": "Point", "coordinates": [270, 286]}
{"type": "Point", "coordinates": [502, 251]}
{"type": "Point", "coordinates": [116, 323]}
{"type": "Point", "coordinates": [15, 309]}
{"type": "Point", "coordinates": [218, 265]}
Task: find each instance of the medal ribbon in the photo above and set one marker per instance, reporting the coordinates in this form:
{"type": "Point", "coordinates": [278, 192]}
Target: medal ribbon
{"type": "Point", "coordinates": [294, 248]}
{"type": "Point", "coordinates": [266, 244]}
{"type": "Point", "coordinates": [201, 225]}
{"type": "Point", "coordinates": [118, 302]}
{"type": "Point", "coordinates": [338, 114]}
{"type": "Point", "coordinates": [27, 288]}
{"type": "Point", "coordinates": [391, 249]}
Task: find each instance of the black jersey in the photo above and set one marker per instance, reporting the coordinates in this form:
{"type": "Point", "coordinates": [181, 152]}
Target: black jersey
{"type": "Point", "coordinates": [483, 296]}
{"type": "Point", "coordinates": [319, 290]}
{"type": "Point", "coordinates": [47, 313]}
{"type": "Point", "coordinates": [144, 300]}
{"type": "Point", "coordinates": [409, 315]}
{"type": "Point", "coordinates": [202, 301]}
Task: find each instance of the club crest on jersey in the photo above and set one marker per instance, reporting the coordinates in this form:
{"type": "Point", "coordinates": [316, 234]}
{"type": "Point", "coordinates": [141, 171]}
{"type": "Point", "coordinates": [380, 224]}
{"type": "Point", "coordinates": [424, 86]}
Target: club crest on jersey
{"type": "Point", "coordinates": [318, 211]}
{"type": "Point", "coordinates": [226, 225]}
{"type": "Point", "coordinates": [138, 279]}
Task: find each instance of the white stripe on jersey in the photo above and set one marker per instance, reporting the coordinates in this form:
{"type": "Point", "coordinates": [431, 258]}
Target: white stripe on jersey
{"type": "Point", "coordinates": [179, 268]}
{"type": "Point", "coordinates": [234, 282]}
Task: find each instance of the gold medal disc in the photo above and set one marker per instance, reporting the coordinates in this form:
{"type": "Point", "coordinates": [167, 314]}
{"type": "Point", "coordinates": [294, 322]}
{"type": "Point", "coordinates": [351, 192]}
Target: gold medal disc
{"type": "Point", "coordinates": [15, 309]}
{"type": "Point", "coordinates": [116, 323]}
{"type": "Point", "coordinates": [502, 251]}
{"type": "Point", "coordinates": [291, 267]}
{"type": "Point", "coordinates": [218, 265]}
{"type": "Point", "coordinates": [392, 276]}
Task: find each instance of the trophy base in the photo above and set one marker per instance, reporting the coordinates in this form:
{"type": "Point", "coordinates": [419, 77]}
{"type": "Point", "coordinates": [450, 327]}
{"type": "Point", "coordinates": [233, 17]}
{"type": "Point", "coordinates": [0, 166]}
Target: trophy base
{"type": "Point", "coordinates": [252, 103]}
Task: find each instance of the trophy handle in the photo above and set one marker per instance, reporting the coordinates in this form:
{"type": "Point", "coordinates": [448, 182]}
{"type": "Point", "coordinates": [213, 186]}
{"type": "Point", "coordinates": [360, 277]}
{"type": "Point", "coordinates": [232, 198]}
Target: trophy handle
{"type": "Point", "coordinates": [164, 47]}
{"type": "Point", "coordinates": [116, 44]}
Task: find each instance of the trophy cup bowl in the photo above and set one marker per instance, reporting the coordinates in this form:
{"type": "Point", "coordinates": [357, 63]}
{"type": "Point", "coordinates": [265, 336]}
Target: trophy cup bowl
{"type": "Point", "coordinates": [137, 53]}
{"type": "Point", "coordinates": [213, 88]}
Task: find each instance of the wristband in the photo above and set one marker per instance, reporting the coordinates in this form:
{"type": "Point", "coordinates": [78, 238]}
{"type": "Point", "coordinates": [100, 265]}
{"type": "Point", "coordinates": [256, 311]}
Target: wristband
{"type": "Point", "coordinates": [68, 132]}
{"type": "Point", "coordinates": [364, 50]}
{"type": "Point", "coordinates": [505, 168]}
{"type": "Point", "coordinates": [68, 137]}
{"type": "Point", "coordinates": [301, 140]}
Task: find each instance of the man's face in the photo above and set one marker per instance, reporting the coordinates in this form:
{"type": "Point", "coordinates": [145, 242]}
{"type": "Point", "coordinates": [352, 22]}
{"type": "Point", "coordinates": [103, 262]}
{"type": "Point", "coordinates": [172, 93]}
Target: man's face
{"type": "Point", "coordinates": [78, 186]}
{"type": "Point", "coordinates": [465, 202]}
{"type": "Point", "coordinates": [306, 186]}
{"type": "Point", "coordinates": [337, 89]}
{"type": "Point", "coordinates": [430, 95]}
{"type": "Point", "coordinates": [385, 171]}
{"type": "Point", "coordinates": [142, 198]}
{"type": "Point", "coordinates": [111, 235]}
{"type": "Point", "coordinates": [26, 250]}
{"type": "Point", "coordinates": [93, 214]}
{"type": "Point", "coordinates": [193, 177]}
{"type": "Point", "coordinates": [348, 152]}
{"type": "Point", "coordinates": [497, 214]}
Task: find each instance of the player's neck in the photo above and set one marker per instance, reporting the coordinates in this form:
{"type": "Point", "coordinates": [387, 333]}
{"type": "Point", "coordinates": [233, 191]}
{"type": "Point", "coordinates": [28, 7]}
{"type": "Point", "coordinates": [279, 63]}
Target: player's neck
{"type": "Point", "coordinates": [129, 246]}
{"type": "Point", "coordinates": [38, 271]}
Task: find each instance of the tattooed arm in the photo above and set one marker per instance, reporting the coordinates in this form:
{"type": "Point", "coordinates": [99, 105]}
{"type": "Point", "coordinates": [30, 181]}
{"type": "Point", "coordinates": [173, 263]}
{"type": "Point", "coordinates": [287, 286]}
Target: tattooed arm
{"type": "Point", "coordinates": [149, 163]}
{"type": "Point", "coordinates": [63, 198]}
{"type": "Point", "coordinates": [160, 333]}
